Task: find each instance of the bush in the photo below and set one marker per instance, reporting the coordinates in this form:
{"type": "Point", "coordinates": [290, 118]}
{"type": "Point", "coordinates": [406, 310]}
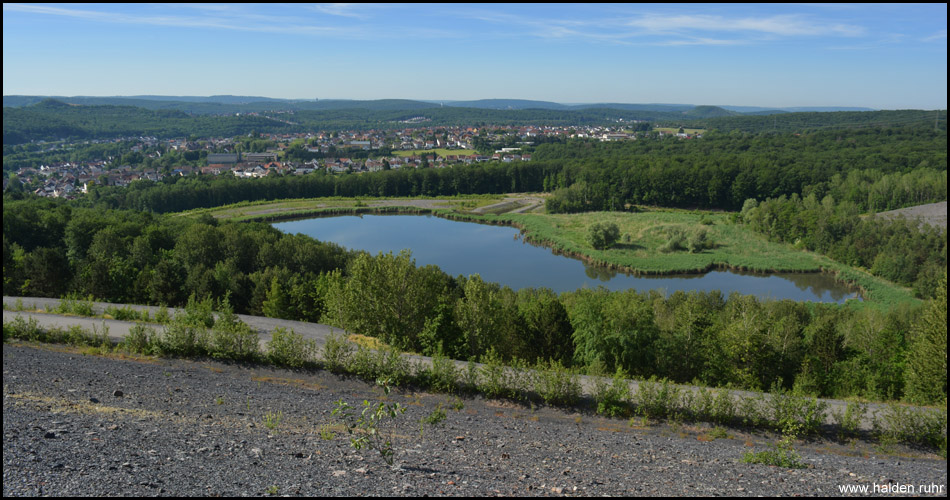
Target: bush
{"type": "Point", "coordinates": [234, 341]}
{"type": "Point", "coordinates": [779, 455]}
{"type": "Point", "coordinates": [655, 399]}
{"type": "Point", "coordinates": [555, 384]}
{"type": "Point", "coordinates": [913, 425]}
{"type": "Point", "coordinates": [714, 406]}
{"type": "Point", "coordinates": [182, 339]}
{"type": "Point", "coordinates": [74, 303]}
{"type": "Point", "coordinates": [790, 410]}
{"type": "Point", "coordinates": [336, 353]}
{"type": "Point", "coordinates": [141, 339]}
{"type": "Point", "coordinates": [387, 364]}
{"type": "Point", "coordinates": [603, 235]}
{"type": "Point", "coordinates": [849, 420]}
{"type": "Point", "coordinates": [443, 375]}
{"type": "Point", "coordinates": [289, 349]}
{"type": "Point", "coordinates": [613, 399]}
{"type": "Point", "coordinates": [499, 381]}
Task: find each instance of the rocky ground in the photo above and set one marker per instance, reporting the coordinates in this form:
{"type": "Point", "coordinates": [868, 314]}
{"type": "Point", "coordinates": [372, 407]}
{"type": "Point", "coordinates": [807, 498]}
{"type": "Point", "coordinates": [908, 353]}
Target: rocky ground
{"type": "Point", "coordinates": [82, 424]}
{"type": "Point", "coordinates": [934, 214]}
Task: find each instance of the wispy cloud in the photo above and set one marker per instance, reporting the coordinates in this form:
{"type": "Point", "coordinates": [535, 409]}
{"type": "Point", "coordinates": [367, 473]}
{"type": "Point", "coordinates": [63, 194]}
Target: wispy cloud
{"type": "Point", "coordinates": [351, 10]}
{"type": "Point", "coordinates": [782, 25]}
{"type": "Point", "coordinates": [671, 30]}
{"type": "Point", "coordinates": [218, 18]}
{"type": "Point", "coordinates": [936, 37]}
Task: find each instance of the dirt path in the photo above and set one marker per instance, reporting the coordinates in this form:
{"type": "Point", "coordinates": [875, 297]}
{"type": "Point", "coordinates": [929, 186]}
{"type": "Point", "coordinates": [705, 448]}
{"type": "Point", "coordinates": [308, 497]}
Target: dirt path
{"type": "Point", "coordinates": [515, 204]}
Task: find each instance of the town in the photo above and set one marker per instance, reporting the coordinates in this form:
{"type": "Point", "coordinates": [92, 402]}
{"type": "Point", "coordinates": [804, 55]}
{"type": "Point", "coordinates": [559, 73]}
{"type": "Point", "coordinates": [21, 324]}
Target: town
{"type": "Point", "coordinates": [333, 152]}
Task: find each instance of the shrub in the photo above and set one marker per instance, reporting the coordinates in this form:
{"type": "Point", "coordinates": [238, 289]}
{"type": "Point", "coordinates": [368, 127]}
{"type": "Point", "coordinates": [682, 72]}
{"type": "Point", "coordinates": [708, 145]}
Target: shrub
{"type": "Point", "coordinates": [374, 427]}
{"type": "Point", "coordinates": [74, 303]}
{"type": "Point", "coordinates": [779, 455]}
{"type": "Point", "coordinates": [125, 313]}
{"type": "Point", "coordinates": [912, 425]}
{"type": "Point", "coordinates": [387, 364]}
{"type": "Point", "coordinates": [496, 380]}
{"type": "Point", "coordinates": [655, 399]}
{"type": "Point", "coordinates": [181, 339]}
{"type": "Point", "coordinates": [234, 341]}
{"type": "Point", "coordinates": [336, 353]}
{"type": "Point", "coordinates": [850, 418]}
{"type": "Point", "coordinates": [197, 313]}
{"type": "Point", "coordinates": [603, 235]}
{"type": "Point", "coordinates": [788, 410]}
{"type": "Point", "coordinates": [141, 339]}
{"type": "Point", "coordinates": [555, 384]}
{"type": "Point", "coordinates": [442, 375]}
{"type": "Point", "coordinates": [289, 349]}
{"type": "Point", "coordinates": [613, 399]}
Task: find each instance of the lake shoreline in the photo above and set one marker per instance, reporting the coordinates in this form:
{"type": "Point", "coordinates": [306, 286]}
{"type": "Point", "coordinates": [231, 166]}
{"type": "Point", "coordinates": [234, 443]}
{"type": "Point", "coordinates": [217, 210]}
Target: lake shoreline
{"type": "Point", "coordinates": [612, 270]}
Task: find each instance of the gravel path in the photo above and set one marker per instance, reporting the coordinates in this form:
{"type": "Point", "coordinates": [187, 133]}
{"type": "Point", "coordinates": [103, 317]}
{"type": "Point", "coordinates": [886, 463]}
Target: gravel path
{"type": "Point", "coordinates": [77, 424]}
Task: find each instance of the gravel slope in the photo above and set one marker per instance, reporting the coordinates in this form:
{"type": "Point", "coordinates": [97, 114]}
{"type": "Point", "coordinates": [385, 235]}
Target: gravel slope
{"type": "Point", "coordinates": [117, 330]}
{"type": "Point", "coordinates": [77, 424]}
{"type": "Point", "coordinates": [934, 214]}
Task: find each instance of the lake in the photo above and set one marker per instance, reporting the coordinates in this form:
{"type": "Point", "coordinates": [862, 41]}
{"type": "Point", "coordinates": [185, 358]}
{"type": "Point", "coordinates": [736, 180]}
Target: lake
{"type": "Point", "coordinates": [498, 254]}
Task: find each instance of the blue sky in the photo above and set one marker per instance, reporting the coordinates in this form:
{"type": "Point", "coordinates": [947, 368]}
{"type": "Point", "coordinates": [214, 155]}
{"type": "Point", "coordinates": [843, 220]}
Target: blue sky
{"type": "Point", "coordinates": [878, 56]}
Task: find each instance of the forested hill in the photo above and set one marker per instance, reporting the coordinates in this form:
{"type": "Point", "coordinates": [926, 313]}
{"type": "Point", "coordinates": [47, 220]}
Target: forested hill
{"type": "Point", "coordinates": [810, 121]}
{"type": "Point", "coordinates": [52, 119]}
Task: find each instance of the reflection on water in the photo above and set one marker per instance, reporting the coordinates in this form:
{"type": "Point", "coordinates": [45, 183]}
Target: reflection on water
{"type": "Point", "coordinates": [497, 254]}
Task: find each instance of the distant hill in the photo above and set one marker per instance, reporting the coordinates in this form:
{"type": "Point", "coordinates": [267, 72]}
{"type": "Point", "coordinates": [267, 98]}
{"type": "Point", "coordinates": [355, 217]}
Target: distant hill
{"type": "Point", "coordinates": [506, 104]}
{"type": "Point", "coordinates": [33, 118]}
{"type": "Point", "coordinates": [800, 109]}
{"type": "Point", "coordinates": [224, 105]}
{"type": "Point", "coordinates": [230, 104]}
{"type": "Point", "coordinates": [709, 112]}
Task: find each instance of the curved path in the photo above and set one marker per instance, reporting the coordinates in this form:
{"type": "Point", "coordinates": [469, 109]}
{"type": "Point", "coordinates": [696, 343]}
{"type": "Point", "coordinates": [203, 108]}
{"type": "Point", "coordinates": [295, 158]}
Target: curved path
{"type": "Point", "coordinates": [117, 330]}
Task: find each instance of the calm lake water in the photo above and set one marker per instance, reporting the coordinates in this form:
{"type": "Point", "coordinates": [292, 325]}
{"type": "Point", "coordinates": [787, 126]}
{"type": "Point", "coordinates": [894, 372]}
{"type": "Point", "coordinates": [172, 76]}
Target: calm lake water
{"type": "Point", "coordinates": [498, 254]}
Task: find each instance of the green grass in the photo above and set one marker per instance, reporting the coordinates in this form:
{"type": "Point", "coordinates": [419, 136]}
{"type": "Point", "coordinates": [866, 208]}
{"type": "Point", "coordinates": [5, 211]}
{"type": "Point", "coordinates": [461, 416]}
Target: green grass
{"type": "Point", "coordinates": [644, 234]}
{"type": "Point", "coordinates": [244, 211]}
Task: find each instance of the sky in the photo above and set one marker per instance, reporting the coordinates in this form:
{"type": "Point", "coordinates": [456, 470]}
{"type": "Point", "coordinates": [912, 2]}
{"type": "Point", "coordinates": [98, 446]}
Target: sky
{"type": "Point", "coordinates": [877, 55]}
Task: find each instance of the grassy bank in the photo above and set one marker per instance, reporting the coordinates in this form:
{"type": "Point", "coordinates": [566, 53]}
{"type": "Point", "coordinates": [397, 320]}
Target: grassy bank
{"type": "Point", "coordinates": [261, 210]}
{"type": "Point", "coordinates": [644, 235]}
